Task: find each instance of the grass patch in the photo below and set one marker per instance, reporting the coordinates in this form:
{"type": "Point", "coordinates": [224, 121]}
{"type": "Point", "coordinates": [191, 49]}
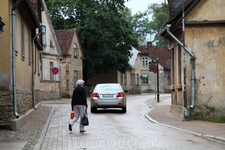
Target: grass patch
{"type": "Point", "coordinates": [215, 120]}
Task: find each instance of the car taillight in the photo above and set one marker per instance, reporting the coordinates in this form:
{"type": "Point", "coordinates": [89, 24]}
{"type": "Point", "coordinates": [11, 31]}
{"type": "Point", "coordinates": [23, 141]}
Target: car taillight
{"type": "Point", "coordinates": [95, 95]}
{"type": "Point", "coordinates": [120, 95]}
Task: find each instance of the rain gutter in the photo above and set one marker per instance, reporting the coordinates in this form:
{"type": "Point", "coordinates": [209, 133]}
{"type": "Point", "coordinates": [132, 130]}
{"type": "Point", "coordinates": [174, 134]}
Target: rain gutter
{"type": "Point", "coordinates": [193, 67]}
{"type": "Point", "coordinates": [14, 50]}
{"type": "Point", "coordinates": [33, 74]}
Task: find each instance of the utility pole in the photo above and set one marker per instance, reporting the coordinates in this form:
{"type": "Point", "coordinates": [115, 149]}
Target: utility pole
{"type": "Point", "coordinates": [157, 81]}
{"type": "Point", "coordinates": [184, 66]}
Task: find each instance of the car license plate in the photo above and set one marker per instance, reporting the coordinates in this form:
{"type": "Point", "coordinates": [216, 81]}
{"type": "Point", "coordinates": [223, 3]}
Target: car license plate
{"type": "Point", "coordinates": [107, 95]}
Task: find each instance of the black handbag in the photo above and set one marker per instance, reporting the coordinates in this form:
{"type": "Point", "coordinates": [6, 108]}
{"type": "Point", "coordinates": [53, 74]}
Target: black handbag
{"type": "Point", "coordinates": [84, 120]}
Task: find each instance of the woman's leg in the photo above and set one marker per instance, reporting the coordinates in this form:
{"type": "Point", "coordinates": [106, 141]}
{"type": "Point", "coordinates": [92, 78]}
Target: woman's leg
{"type": "Point", "coordinates": [81, 109]}
{"type": "Point", "coordinates": [76, 114]}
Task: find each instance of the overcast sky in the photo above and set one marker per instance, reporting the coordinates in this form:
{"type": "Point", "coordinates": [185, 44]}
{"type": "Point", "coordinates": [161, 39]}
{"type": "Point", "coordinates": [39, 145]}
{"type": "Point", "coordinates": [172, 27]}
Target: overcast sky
{"type": "Point", "coordinates": [140, 5]}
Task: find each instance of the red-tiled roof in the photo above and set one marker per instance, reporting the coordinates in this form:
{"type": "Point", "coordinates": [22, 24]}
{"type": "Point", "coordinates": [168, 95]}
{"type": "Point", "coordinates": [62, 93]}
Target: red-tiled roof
{"type": "Point", "coordinates": [65, 38]}
{"type": "Point", "coordinates": [163, 53]}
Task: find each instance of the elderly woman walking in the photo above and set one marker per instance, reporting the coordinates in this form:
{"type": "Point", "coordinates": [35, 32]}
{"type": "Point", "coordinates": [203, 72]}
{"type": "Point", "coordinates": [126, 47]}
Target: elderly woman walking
{"type": "Point", "coordinates": [78, 103]}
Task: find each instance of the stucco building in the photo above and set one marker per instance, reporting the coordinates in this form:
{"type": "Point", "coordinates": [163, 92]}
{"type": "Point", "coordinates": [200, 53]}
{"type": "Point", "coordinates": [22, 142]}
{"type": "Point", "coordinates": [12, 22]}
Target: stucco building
{"type": "Point", "coordinates": [71, 67]}
{"type": "Point", "coordinates": [50, 57]}
{"type": "Point", "coordinates": [204, 57]}
{"type": "Point", "coordinates": [151, 53]}
{"type": "Point", "coordinates": [20, 46]}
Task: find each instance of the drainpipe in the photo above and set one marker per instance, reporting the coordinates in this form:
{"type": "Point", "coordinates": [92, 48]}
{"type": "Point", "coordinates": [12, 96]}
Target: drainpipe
{"type": "Point", "coordinates": [33, 75]}
{"type": "Point", "coordinates": [13, 57]}
{"type": "Point", "coordinates": [193, 68]}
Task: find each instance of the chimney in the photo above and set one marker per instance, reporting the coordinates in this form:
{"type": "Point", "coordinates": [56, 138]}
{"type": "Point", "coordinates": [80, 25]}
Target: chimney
{"type": "Point", "coordinates": [149, 44]}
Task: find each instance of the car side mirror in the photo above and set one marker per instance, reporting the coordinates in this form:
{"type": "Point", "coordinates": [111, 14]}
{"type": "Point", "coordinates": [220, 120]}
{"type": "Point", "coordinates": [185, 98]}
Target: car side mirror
{"type": "Point", "coordinates": [91, 91]}
{"type": "Point", "coordinates": [126, 91]}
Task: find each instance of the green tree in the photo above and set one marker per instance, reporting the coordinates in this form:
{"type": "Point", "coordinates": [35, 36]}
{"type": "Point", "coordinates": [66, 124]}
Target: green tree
{"type": "Point", "coordinates": [104, 34]}
{"type": "Point", "coordinates": [160, 14]}
{"type": "Point", "coordinates": [139, 23]}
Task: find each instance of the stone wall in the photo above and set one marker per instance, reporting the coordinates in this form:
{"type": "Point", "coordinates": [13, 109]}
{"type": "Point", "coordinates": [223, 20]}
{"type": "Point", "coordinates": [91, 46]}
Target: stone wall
{"type": "Point", "coordinates": [24, 104]}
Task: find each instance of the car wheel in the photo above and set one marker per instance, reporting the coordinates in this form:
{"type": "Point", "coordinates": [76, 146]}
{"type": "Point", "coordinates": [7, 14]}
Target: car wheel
{"type": "Point", "coordinates": [93, 110]}
{"type": "Point", "coordinates": [124, 109]}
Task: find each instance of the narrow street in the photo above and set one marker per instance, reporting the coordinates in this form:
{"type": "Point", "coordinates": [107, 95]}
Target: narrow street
{"type": "Point", "coordinates": [111, 129]}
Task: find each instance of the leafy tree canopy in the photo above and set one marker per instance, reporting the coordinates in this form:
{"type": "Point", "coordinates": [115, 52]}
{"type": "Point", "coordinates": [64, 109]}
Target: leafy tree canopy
{"type": "Point", "coordinates": [142, 26]}
{"type": "Point", "coordinates": [104, 34]}
{"type": "Point", "coordinates": [160, 14]}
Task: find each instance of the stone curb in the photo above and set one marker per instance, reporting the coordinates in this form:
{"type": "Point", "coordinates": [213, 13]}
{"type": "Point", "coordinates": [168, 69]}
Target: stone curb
{"type": "Point", "coordinates": [195, 133]}
{"type": "Point", "coordinates": [44, 131]}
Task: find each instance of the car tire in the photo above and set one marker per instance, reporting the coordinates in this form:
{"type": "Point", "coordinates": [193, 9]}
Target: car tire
{"type": "Point", "coordinates": [124, 109]}
{"type": "Point", "coordinates": [93, 110]}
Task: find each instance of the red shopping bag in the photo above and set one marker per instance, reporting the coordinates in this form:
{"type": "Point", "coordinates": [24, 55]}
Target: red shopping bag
{"type": "Point", "coordinates": [72, 115]}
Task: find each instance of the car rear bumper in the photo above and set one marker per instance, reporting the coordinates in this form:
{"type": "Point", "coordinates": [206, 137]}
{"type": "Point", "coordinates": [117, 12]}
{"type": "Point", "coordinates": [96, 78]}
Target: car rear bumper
{"type": "Point", "coordinates": [118, 103]}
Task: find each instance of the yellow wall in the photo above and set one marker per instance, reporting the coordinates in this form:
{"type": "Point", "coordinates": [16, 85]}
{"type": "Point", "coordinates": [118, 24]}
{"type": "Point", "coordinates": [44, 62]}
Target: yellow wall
{"type": "Point", "coordinates": [208, 45]}
{"type": "Point", "coordinates": [207, 10]}
{"type": "Point", "coordinates": [23, 69]}
{"type": "Point", "coordinates": [5, 46]}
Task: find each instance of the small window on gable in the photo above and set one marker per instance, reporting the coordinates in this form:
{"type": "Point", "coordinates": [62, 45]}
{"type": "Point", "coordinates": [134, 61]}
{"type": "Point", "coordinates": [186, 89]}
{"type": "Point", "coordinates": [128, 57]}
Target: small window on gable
{"type": "Point", "coordinates": [146, 61]}
{"type": "Point", "coordinates": [51, 43]}
{"type": "Point", "coordinates": [75, 50]}
{"type": "Point", "coordinates": [43, 31]}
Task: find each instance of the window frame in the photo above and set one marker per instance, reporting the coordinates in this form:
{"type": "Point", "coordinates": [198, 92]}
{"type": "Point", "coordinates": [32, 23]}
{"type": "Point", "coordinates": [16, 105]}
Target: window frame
{"type": "Point", "coordinates": [75, 78]}
{"type": "Point", "coordinates": [29, 46]}
{"type": "Point", "coordinates": [51, 74]}
{"type": "Point", "coordinates": [76, 54]}
{"type": "Point", "coordinates": [121, 78]}
{"type": "Point", "coordinates": [43, 32]}
{"type": "Point", "coordinates": [22, 40]}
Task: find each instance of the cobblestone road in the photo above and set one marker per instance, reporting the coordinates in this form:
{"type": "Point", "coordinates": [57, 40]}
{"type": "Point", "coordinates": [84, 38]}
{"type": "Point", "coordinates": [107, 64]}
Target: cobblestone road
{"type": "Point", "coordinates": [111, 129]}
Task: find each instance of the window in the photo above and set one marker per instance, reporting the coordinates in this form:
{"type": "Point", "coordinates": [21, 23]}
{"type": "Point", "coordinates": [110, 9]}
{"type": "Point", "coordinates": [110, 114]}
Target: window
{"type": "Point", "coordinates": [75, 50]}
{"type": "Point", "coordinates": [121, 78]}
{"type": "Point", "coordinates": [51, 74]}
{"type": "Point", "coordinates": [131, 79]}
{"type": "Point", "coordinates": [125, 78]}
{"type": "Point", "coordinates": [29, 46]}
{"type": "Point", "coordinates": [137, 79]}
{"type": "Point", "coordinates": [145, 61]}
{"type": "Point", "coordinates": [75, 78]}
{"type": "Point", "coordinates": [22, 41]}
{"type": "Point", "coordinates": [51, 45]}
{"type": "Point", "coordinates": [43, 35]}
{"type": "Point", "coordinates": [145, 79]}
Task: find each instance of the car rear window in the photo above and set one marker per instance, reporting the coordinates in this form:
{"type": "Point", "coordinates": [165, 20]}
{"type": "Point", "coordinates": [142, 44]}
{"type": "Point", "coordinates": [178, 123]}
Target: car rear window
{"type": "Point", "coordinates": [108, 87]}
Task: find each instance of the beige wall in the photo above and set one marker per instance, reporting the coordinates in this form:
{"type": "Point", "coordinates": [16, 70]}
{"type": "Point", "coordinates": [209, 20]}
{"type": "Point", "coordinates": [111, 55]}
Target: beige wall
{"type": "Point", "coordinates": [207, 10]}
{"type": "Point", "coordinates": [208, 45]}
{"type": "Point", "coordinates": [5, 46]}
{"type": "Point", "coordinates": [23, 69]}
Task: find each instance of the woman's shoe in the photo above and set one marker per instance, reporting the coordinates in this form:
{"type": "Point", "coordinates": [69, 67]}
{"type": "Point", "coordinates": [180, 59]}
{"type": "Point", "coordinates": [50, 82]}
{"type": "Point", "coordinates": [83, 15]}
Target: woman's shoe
{"type": "Point", "coordinates": [70, 127]}
{"type": "Point", "coordinates": [83, 131]}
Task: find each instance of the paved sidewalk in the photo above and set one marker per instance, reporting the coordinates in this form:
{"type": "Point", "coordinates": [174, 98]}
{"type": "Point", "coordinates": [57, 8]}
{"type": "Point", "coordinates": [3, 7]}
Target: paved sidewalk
{"type": "Point", "coordinates": [161, 114]}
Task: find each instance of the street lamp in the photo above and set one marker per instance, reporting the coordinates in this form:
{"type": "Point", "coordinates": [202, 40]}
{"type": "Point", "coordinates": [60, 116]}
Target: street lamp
{"type": "Point", "coordinates": [1, 25]}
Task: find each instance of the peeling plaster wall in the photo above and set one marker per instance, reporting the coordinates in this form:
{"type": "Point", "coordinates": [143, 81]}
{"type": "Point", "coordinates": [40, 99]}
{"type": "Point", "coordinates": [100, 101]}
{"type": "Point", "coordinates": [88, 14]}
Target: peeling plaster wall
{"type": "Point", "coordinates": [207, 10]}
{"type": "Point", "coordinates": [208, 44]}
